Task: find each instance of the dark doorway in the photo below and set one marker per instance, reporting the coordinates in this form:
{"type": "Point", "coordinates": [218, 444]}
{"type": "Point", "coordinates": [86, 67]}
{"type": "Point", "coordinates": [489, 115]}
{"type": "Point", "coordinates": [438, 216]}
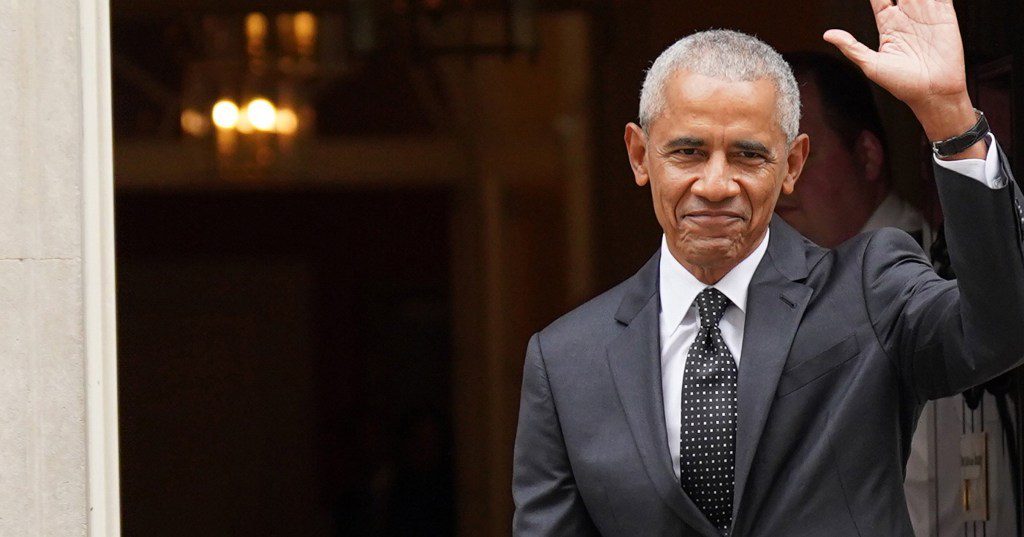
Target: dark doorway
{"type": "Point", "coordinates": [284, 363]}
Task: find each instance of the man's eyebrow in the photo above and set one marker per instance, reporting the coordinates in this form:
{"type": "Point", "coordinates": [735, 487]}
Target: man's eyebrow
{"type": "Point", "coordinates": [750, 145]}
{"type": "Point", "coordinates": [685, 141]}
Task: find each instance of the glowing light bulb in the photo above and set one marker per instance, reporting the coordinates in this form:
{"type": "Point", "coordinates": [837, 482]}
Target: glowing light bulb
{"type": "Point", "coordinates": [256, 33]}
{"type": "Point", "coordinates": [262, 114]}
{"type": "Point", "coordinates": [193, 122]}
{"type": "Point", "coordinates": [287, 121]}
{"type": "Point", "coordinates": [225, 114]}
{"type": "Point", "coordinates": [256, 26]}
{"type": "Point", "coordinates": [305, 33]}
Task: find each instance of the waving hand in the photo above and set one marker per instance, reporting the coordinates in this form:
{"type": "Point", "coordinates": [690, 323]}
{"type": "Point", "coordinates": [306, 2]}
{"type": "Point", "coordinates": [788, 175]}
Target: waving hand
{"type": "Point", "coordinates": [920, 60]}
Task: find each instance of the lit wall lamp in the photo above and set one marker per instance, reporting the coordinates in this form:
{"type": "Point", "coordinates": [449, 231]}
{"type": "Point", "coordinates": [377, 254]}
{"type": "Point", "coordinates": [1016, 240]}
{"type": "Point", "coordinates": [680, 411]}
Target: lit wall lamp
{"type": "Point", "coordinates": [260, 114]}
{"type": "Point", "coordinates": [249, 93]}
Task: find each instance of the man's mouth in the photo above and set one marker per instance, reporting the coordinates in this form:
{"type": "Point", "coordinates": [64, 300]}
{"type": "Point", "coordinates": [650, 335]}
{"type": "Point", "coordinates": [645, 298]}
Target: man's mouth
{"type": "Point", "coordinates": [713, 217]}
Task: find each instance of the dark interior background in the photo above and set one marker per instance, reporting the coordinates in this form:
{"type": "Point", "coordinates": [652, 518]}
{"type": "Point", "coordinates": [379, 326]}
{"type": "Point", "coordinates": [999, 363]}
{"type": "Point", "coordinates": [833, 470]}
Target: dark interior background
{"type": "Point", "coordinates": [284, 363]}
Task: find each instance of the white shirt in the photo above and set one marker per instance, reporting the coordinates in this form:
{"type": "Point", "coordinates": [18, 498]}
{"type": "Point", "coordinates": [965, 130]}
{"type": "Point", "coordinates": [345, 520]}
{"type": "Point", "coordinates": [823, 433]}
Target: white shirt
{"type": "Point", "coordinates": [677, 289]}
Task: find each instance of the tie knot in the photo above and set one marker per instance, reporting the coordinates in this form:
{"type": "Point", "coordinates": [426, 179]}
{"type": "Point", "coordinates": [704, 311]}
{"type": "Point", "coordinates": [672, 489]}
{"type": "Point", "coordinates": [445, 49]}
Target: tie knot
{"type": "Point", "coordinates": [711, 304]}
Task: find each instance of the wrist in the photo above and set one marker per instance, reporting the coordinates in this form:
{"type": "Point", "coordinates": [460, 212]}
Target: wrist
{"type": "Point", "coordinates": [945, 118]}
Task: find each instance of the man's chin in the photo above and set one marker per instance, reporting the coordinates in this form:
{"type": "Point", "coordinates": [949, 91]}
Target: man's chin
{"type": "Point", "coordinates": [709, 251]}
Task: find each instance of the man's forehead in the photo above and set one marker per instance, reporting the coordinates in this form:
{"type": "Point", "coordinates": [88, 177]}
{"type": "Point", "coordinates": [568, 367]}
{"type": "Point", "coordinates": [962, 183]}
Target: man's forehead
{"type": "Point", "coordinates": [696, 104]}
{"type": "Point", "coordinates": [731, 101]}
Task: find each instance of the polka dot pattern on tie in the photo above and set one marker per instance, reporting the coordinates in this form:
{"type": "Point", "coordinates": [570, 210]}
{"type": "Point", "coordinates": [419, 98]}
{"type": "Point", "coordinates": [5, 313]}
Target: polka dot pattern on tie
{"type": "Point", "coordinates": [708, 432]}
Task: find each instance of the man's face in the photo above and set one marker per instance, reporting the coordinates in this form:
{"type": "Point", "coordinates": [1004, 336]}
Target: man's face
{"type": "Point", "coordinates": [824, 205]}
{"type": "Point", "coordinates": [716, 160]}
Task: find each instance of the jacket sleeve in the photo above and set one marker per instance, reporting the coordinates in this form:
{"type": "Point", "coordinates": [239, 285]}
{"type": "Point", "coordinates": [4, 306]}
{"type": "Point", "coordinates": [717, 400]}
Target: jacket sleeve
{"type": "Point", "coordinates": [946, 336]}
{"type": "Point", "coordinates": [547, 501]}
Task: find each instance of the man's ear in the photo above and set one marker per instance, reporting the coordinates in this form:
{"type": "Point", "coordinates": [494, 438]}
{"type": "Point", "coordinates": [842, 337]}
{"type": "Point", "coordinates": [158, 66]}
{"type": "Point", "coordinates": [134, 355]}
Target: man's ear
{"type": "Point", "coordinates": [636, 147]}
{"type": "Point", "coordinates": [870, 155]}
{"type": "Point", "coordinates": [795, 160]}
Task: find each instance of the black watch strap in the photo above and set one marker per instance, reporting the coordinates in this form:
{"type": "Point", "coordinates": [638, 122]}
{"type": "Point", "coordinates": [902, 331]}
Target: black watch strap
{"type": "Point", "coordinates": [960, 143]}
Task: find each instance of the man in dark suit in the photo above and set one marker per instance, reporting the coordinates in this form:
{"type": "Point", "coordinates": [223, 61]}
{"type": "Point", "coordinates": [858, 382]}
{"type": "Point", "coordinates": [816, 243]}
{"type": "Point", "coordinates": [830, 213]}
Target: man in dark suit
{"type": "Point", "coordinates": [746, 381]}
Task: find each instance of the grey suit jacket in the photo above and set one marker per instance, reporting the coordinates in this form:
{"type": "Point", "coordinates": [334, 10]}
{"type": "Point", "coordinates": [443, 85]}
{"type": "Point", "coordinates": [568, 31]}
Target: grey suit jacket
{"type": "Point", "coordinates": [840, 351]}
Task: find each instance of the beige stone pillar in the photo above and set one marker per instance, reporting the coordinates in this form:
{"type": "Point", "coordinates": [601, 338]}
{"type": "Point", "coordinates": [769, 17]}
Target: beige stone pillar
{"type": "Point", "coordinates": [58, 406]}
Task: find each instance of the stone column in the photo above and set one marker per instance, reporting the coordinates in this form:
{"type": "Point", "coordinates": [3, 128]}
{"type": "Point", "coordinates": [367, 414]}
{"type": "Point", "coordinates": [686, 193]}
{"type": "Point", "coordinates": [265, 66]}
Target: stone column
{"type": "Point", "coordinates": [58, 407]}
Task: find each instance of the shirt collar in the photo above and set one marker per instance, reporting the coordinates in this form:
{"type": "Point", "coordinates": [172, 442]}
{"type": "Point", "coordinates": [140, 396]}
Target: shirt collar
{"type": "Point", "coordinates": [678, 288]}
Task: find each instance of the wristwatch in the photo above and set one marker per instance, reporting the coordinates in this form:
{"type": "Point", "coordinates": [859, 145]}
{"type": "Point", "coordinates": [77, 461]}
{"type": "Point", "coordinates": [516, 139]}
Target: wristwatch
{"type": "Point", "coordinates": [961, 142]}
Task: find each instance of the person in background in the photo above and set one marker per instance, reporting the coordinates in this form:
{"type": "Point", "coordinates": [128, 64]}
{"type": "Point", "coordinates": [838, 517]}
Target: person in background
{"type": "Point", "coordinates": [845, 187]}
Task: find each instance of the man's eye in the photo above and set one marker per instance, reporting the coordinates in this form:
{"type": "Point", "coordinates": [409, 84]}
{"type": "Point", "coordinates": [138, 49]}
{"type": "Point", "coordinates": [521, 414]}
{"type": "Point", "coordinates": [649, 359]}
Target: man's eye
{"type": "Point", "coordinates": [750, 154]}
{"type": "Point", "coordinates": [687, 151]}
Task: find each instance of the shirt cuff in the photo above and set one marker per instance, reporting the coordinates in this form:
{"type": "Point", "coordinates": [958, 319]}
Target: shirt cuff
{"type": "Point", "coordinates": [985, 171]}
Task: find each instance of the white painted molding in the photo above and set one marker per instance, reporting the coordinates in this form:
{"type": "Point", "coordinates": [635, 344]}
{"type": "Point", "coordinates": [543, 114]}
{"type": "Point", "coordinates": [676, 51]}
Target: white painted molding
{"type": "Point", "coordinates": [98, 271]}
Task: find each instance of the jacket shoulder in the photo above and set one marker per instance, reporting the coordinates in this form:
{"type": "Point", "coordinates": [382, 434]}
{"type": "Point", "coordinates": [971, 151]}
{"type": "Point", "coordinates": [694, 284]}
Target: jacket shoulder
{"type": "Point", "coordinates": [883, 243]}
{"type": "Point", "coordinates": [877, 241]}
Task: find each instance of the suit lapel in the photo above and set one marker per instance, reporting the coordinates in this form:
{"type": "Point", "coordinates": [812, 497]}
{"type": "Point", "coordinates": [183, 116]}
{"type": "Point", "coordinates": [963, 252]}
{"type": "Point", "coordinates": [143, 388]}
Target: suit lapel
{"type": "Point", "coordinates": [634, 359]}
{"type": "Point", "coordinates": [775, 305]}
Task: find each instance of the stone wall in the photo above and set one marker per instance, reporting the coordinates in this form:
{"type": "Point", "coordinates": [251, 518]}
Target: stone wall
{"type": "Point", "coordinates": [52, 181]}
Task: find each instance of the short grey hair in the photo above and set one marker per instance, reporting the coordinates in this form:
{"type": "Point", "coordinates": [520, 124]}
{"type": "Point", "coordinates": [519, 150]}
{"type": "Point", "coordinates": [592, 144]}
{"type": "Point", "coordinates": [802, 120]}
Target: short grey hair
{"type": "Point", "coordinates": [727, 55]}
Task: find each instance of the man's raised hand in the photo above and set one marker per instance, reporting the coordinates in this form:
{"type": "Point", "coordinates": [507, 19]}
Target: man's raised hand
{"type": "Point", "coordinates": [920, 60]}
{"type": "Point", "coordinates": [920, 54]}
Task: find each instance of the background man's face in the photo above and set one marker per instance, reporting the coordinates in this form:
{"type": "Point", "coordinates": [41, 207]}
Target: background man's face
{"type": "Point", "coordinates": [831, 179]}
{"type": "Point", "coordinates": [716, 160]}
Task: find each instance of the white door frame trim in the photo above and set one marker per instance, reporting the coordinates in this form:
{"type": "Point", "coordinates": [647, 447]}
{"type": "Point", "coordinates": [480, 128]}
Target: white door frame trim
{"type": "Point", "coordinates": [98, 271]}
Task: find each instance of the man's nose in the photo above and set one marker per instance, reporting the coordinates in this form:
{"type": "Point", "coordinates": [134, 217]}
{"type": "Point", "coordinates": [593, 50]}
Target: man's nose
{"type": "Point", "coordinates": [716, 183]}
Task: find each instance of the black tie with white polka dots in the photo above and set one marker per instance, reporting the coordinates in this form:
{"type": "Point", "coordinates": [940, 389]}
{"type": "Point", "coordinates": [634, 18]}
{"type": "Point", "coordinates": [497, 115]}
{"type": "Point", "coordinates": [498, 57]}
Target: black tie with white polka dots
{"type": "Point", "coordinates": [708, 433]}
